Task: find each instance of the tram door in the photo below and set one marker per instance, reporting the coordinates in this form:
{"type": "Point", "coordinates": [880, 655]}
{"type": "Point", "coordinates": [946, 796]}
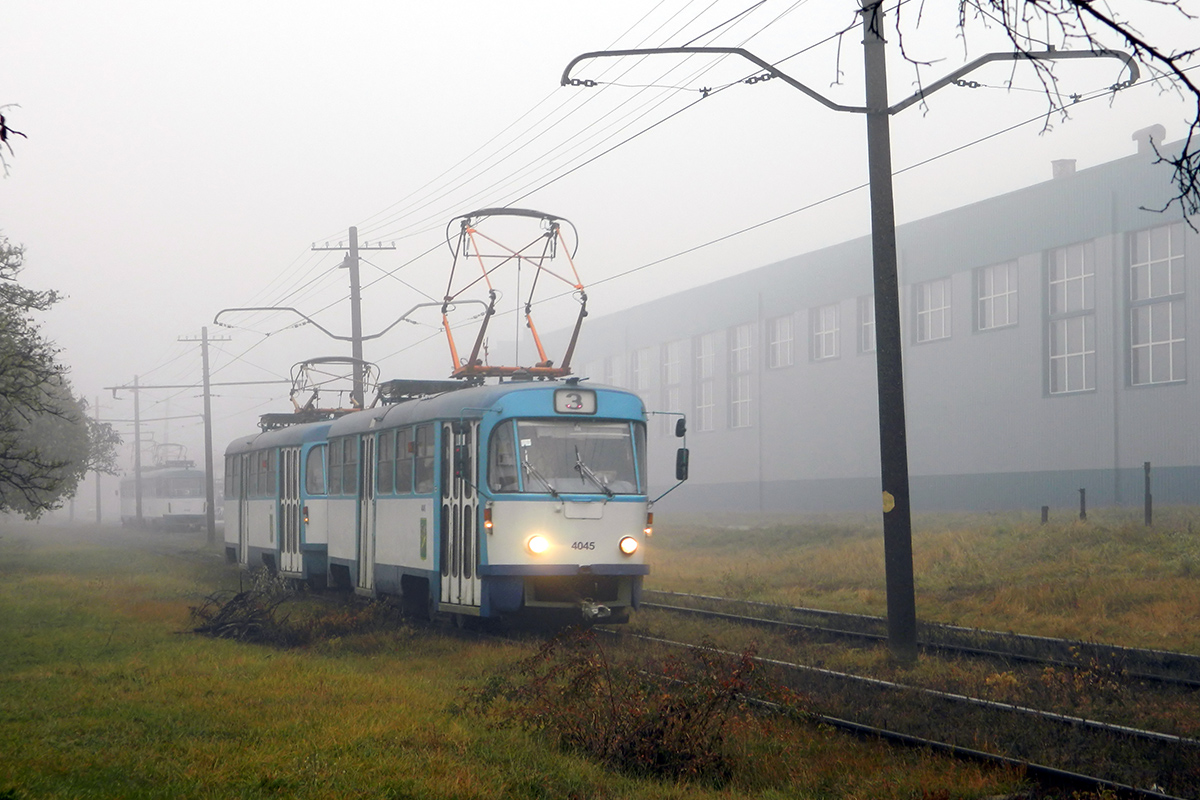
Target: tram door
{"type": "Point", "coordinates": [459, 559]}
{"type": "Point", "coordinates": [290, 559]}
{"type": "Point", "coordinates": [366, 515]}
{"type": "Point", "coordinates": [243, 508]}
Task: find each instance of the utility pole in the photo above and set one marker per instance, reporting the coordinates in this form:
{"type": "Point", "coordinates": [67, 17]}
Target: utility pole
{"type": "Point", "coordinates": [889, 365]}
{"type": "Point", "coordinates": [98, 495]}
{"type": "Point", "coordinates": [356, 337]}
{"type": "Point", "coordinates": [137, 452]}
{"type": "Point", "coordinates": [897, 512]}
{"type": "Point", "coordinates": [210, 495]}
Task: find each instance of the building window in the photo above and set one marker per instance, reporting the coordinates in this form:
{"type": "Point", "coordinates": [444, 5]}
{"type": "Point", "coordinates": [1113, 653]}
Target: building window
{"type": "Point", "coordinates": [996, 290]}
{"type": "Point", "coordinates": [672, 379]}
{"type": "Point", "coordinates": [706, 359]}
{"type": "Point", "coordinates": [1072, 322]}
{"type": "Point", "coordinates": [639, 368]}
{"type": "Point", "coordinates": [1156, 316]}
{"type": "Point", "coordinates": [614, 370]}
{"type": "Point", "coordinates": [933, 310]}
{"type": "Point", "coordinates": [740, 364]}
{"type": "Point", "coordinates": [779, 343]}
{"type": "Point", "coordinates": [866, 324]}
{"type": "Point", "coordinates": [824, 332]}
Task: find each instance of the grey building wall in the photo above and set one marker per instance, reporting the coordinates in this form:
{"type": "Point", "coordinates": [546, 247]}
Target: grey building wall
{"type": "Point", "coordinates": [985, 429]}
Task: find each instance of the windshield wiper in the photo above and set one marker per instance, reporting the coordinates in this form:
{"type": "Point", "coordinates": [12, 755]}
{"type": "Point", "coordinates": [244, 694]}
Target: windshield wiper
{"type": "Point", "coordinates": [584, 469]}
{"type": "Point", "coordinates": [532, 470]}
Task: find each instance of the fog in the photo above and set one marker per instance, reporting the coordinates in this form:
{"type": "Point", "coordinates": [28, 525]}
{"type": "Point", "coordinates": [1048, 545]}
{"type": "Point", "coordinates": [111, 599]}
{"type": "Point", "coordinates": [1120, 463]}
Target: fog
{"type": "Point", "coordinates": [182, 159]}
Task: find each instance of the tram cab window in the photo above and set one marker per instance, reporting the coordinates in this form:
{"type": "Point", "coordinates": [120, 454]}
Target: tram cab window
{"type": "Point", "coordinates": [423, 471]}
{"type": "Point", "coordinates": [185, 486]}
{"type": "Point", "coordinates": [314, 471]}
{"type": "Point", "coordinates": [579, 457]}
{"type": "Point", "coordinates": [502, 460]}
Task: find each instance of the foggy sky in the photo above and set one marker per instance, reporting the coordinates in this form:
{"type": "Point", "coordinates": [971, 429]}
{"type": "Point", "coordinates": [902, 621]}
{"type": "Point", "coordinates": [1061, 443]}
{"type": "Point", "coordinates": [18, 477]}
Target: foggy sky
{"type": "Point", "coordinates": [182, 158]}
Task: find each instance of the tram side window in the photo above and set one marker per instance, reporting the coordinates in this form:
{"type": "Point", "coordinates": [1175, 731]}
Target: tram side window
{"type": "Point", "coordinates": [335, 467]}
{"type": "Point", "coordinates": [231, 477]}
{"type": "Point", "coordinates": [266, 473]}
{"type": "Point", "coordinates": [502, 460]}
{"type": "Point", "coordinates": [424, 459]}
{"type": "Point", "coordinates": [404, 461]}
{"type": "Point", "coordinates": [314, 471]}
{"type": "Point", "coordinates": [350, 465]}
{"type": "Point", "coordinates": [387, 462]}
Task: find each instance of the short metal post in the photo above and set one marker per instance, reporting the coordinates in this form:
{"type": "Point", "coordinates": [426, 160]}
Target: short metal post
{"type": "Point", "coordinates": [1083, 503]}
{"type": "Point", "coordinates": [1149, 497]}
{"type": "Point", "coordinates": [1045, 514]}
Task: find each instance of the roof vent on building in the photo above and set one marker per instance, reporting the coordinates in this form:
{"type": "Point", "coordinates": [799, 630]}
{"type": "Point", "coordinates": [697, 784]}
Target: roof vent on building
{"type": "Point", "coordinates": [1147, 138]}
{"type": "Point", "coordinates": [1063, 167]}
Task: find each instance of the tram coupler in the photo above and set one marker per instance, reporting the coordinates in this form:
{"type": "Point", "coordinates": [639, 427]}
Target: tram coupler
{"type": "Point", "coordinates": [594, 611]}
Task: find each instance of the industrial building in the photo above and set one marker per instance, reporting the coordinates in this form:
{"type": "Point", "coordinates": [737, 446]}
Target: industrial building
{"type": "Point", "coordinates": [1046, 337]}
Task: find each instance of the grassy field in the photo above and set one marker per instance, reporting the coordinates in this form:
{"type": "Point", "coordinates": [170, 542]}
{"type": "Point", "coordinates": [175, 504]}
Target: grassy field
{"type": "Point", "coordinates": [1109, 578]}
{"type": "Point", "coordinates": [105, 693]}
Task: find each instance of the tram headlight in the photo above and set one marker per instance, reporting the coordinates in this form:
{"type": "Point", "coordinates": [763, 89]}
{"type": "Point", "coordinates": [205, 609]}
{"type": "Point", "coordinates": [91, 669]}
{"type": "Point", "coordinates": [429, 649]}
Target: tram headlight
{"type": "Point", "coordinates": [628, 545]}
{"type": "Point", "coordinates": [537, 544]}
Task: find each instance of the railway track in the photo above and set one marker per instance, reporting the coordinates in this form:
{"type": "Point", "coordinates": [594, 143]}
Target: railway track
{"type": "Point", "coordinates": [1158, 666]}
{"type": "Point", "coordinates": [1056, 750]}
{"type": "Point", "coordinates": [1144, 743]}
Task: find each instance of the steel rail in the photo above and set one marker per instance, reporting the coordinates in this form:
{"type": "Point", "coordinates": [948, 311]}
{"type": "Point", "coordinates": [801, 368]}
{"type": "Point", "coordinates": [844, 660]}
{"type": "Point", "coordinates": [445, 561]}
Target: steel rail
{"type": "Point", "coordinates": [1045, 771]}
{"type": "Point", "coordinates": [1186, 661]}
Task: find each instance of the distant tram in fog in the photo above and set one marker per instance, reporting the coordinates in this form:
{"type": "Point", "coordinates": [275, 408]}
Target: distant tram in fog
{"type": "Point", "coordinates": [173, 496]}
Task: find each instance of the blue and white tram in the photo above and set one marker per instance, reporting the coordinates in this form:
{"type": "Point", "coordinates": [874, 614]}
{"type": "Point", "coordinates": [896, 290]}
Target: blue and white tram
{"type": "Point", "coordinates": [273, 517]}
{"type": "Point", "coordinates": [486, 501]}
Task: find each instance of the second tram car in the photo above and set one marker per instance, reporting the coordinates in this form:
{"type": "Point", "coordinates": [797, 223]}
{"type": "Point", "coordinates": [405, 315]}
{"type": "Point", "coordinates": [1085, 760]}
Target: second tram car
{"type": "Point", "coordinates": [485, 501]}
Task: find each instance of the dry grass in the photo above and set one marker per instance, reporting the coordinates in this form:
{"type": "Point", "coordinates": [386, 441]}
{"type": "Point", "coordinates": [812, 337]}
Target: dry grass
{"type": "Point", "coordinates": [1108, 579]}
{"type": "Point", "coordinates": [104, 694]}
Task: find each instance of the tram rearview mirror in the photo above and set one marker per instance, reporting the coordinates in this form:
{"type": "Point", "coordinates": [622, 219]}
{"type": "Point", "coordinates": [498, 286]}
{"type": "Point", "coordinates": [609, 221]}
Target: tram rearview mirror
{"type": "Point", "coordinates": [680, 428]}
{"type": "Point", "coordinates": [681, 463]}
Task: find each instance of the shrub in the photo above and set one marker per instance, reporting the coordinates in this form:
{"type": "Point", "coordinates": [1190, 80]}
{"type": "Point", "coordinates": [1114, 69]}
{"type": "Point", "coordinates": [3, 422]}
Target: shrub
{"type": "Point", "coordinates": [257, 615]}
{"type": "Point", "coordinates": [666, 719]}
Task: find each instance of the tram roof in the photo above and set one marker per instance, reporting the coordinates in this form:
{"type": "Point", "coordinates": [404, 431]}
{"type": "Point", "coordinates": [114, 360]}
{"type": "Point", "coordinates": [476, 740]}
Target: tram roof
{"type": "Point", "coordinates": [467, 403]}
{"type": "Point", "coordinates": [281, 437]}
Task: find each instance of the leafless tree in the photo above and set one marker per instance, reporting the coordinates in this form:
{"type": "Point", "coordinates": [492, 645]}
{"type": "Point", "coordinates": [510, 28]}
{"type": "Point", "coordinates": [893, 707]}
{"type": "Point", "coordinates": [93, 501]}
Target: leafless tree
{"type": "Point", "coordinates": [1039, 25]}
{"type": "Point", "coordinates": [6, 133]}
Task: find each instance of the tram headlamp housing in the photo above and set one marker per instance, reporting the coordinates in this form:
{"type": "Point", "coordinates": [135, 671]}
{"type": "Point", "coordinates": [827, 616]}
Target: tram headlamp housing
{"type": "Point", "coordinates": [537, 544]}
{"type": "Point", "coordinates": [628, 545]}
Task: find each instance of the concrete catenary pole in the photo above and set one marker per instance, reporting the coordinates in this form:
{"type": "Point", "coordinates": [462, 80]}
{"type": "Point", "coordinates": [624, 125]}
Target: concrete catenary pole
{"type": "Point", "coordinates": [137, 453]}
{"type": "Point", "coordinates": [893, 442]}
{"type": "Point", "coordinates": [98, 495]}
{"type": "Point", "coordinates": [351, 262]}
{"type": "Point", "coordinates": [210, 496]}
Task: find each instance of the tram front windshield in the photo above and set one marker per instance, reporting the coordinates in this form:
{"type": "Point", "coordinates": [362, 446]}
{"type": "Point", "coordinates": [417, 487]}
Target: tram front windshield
{"type": "Point", "coordinates": [567, 456]}
{"type": "Point", "coordinates": [190, 486]}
